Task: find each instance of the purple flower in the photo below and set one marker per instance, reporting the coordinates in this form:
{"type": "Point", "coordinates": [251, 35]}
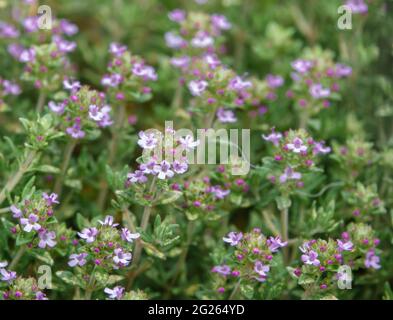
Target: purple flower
{"type": "Point", "coordinates": [226, 116]}
{"type": "Point", "coordinates": [237, 84]}
{"type": "Point", "coordinates": [15, 50]}
{"type": "Point", "coordinates": [147, 140]}
{"type": "Point", "coordinates": [372, 261]}
{"type": "Point", "coordinates": [197, 87]}
{"type": "Point", "coordinates": [181, 62]}
{"type": "Point", "coordinates": [319, 147]}
{"type": "Point", "coordinates": [116, 293]}
{"type": "Point", "coordinates": [3, 264]}
{"type": "Point", "coordinates": [57, 108]}
{"type": "Point", "coordinates": [106, 119]}
{"type": "Point", "coordinates": [310, 258]}
{"type": "Point", "coordinates": [67, 27]}
{"type": "Point", "coordinates": [95, 113]}
{"type": "Point", "coordinates": [302, 66]}
{"type": "Point", "coordinates": [7, 276]}
{"type": "Point", "coordinates": [212, 60]}
{"type": "Point", "coordinates": [46, 239]}
{"type": "Point", "coordinates": [218, 192]}
{"type": "Point", "coordinates": [289, 174]}
{"type": "Point", "coordinates": [275, 243]}
{"type": "Point", "coordinates": [274, 137]}
{"type": "Point", "coordinates": [108, 221]}
{"type": "Point", "coordinates": [261, 270]}
{"type": "Point", "coordinates": [40, 296]}
{"type": "Point", "coordinates": [72, 86]}
{"type": "Point", "coordinates": [8, 31]}
{"type": "Point", "coordinates": [220, 22]}
{"type": "Point", "coordinates": [148, 168]}
{"type": "Point", "coordinates": [31, 24]}
{"type": "Point", "coordinates": [117, 49]}
{"type": "Point", "coordinates": [126, 235]}
{"type": "Point", "coordinates": [11, 88]}
{"type": "Point", "coordinates": [202, 40]}
{"type": "Point", "coordinates": [112, 80]}
{"type": "Point", "coordinates": [188, 142]}
{"type": "Point", "coordinates": [145, 72]}
{"type": "Point", "coordinates": [163, 170]}
{"type": "Point", "coordinates": [274, 81]}
{"type": "Point", "coordinates": [30, 223]}
{"type": "Point", "coordinates": [17, 213]}
{"type": "Point", "coordinates": [223, 270]}
{"type": "Point", "coordinates": [77, 259]}
{"type": "Point", "coordinates": [75, 131]}
{"type": "Point", "coordinates": [177, 15]}
{"type": "Point", "coordinates": [63, 45]}
{"type": "Point", "coordinates": [179, 166]}
{"type": "Point", "coordinates": [89, 234]}
{"type": "Point", "coordinates": [50, 199]}
{"type": "Point", "coordinates": [137, 177]}
{"type": "Point", "coordinates": [341, 70]}
{"type": "Point", "coordinates": [233, 238]}
{"type": "Point", "coordinates": [174, 41]}
{"type": "Point", "coordinates": [121, 258]}
{"type": "Point", "coordinates": [27, 55]}
{"type": "Point", "coordinates": [318, 92]}
{"type": "Point", "coordinates": [297, 145]}
{"type": "Point", "coordinates": [344, 246]}
{"type": "Point", "coordinates": [357, 6]}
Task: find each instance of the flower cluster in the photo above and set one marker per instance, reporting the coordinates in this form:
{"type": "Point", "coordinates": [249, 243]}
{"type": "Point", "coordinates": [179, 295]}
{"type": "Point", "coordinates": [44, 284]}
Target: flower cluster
{"type": "Point", "coordinates": [128, 76]}
{"type": "Point", "coordinates": [119, 293]}
{"type": "Point", "coordinates": [202, 199]}
{"type": "Point", "coordinates": [354, 157]}
{"type": "Point", "coordinates": [251, 257]}
{"type": "Point", "coordinates": [155, 144]}
{"type": "Point", "coordinates": [364, 201]}
{"type": "Point", "coordinates": [357, 6]}
{"type": "Point", "coordinates": [36, 221]}
{"type": "Point", "coordinates": [107, 247]}
{"type": "Point", "coordinates": [198, 32]}
{"type": "Point", "coordinates": [296, 154]}
{"type": "Point", "coordinates": [83, 111]}
{"type": "Point", "coordinates": [316, 80]}
{"type": "Point", "coordinates": [325, 262]}
{"type": "Point", "coordinates": [7, 88]}
{"type": "Point", "coordinates": [19, 288]}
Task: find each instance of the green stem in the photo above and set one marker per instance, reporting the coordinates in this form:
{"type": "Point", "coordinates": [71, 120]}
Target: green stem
{"type": "Point", "coordinates": [139, 245]}
{"type": "Point", "coordinates": [66, 161]}
{"type": "Point", "coordinates": [17, 176]}
{"type": "Point", "coordinates": [284, 231]}
{"type": "Point", "coordinates": [119, 120]}
{"type": "Point", "coordinates": [90, 286]}
{"type": "Point", "coordinates": [17, 257]}
{"type": "Point", "coordinates": [235, 290]}
{"type": "Point", "coordinates": [41, 101]}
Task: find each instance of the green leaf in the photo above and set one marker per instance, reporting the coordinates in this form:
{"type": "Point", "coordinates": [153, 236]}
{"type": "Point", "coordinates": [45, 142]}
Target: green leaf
{"type": "Point", "coordinates": [42, 256]}
{"type": "Point", "coordinates": [69, 278]}
{"type": "Point", "coordinates": [24, 237]}
{"type": "Point", "coordinates": [283, 202]}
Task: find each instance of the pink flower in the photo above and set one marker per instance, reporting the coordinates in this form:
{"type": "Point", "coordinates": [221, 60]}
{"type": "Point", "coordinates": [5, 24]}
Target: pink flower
{"type": "Point", "coordinates": [75, 131]}
{"type": "Point", "coordinates": [147, 140]}
{"type": "Point", "coordinates": [233, 238]}
{"type": "Point", "coordinates": [275, 243]}
{"type": "Point", "coordinates": [177, 15]}
{"type": "Point", "coordinates": [17, 213]}
{"type": "Point", "coordinates": [126, 235]}
{"type": "Point", "coordinates": [89, 234]}
{"type": "Point", "coordinates": [179, 167]}
{"type": "Point", "coordinates": [345, 246]}
{"type": "Point", "coordinates": [77, 259]}
{"type": "Point", "coordinates": [188, 142]}
{"type": "Point", "coordinates": [202, 40]}
{"type": "Point", "coordinates": [297, 146]}
{"type": "Point", "coordinates": [302, 66]}
{"type": "Point", "coordinates": [121, 258]}
{"type": "Point", "coordinates": [117, 49]}
{"type": "Point", "coordinates": [108, 221]}
{"type": "Point", "coordinates": [163, 170]}
{"type": "Point", "coordinates": [174, 41]}
{"type": "Point", "coordinates": [310, 258]}
{"type": "Point", "coordinates": [262, 270]}
{"type": "Point", "coordinates": [50, 199]}
{"type": "Point", "coordinates": [47, 238]}
{"type": "Point", "coordinates": [372, 261]}
{"type": "Point", "coordinates": [226, 116]}
{"type": "Point", "coordinates": [274, 81]}
{"type": "Point", "coordinates": [57, 108]}
{"type": "Point", "coordinates": [220, 22]}
{"type": "Point", "coordinates": [116, 293]}
{"type": "Point", "coordinates": [197, 87]}
{"type": "Point", "coordinates": [274, 137]}
{"type": "Point", "coordinates": [238, 84]}
{"type": "Point", "coordinates": [289, 174]}
{"type": "Point", "coordinates": [318, 92]}
{"type": "Point", "coordinates": [30, 223]}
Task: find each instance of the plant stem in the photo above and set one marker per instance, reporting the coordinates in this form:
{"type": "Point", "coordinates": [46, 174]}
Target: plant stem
{"type": "Point", "coordinates": [235, 290]}
{"type": "Point", "coordinates": [139, 245]}
{"type": "Point", "coordinates": [41, 101]}
{"type": "Point", "coordinates": [119, 120]}
{"type": "Point", "coordinates": [284, 231]}
{"type": "Point", "coordinates": [17, 257]}
{"type": "Point", "coordinates": [17, 176]}
{"type": "Point", "coordinates": [90, 285]}
{"type": "Point", "coordinates": [66, 161]}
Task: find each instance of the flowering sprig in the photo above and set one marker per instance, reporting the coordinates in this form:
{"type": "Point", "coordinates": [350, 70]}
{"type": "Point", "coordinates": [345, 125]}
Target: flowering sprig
{"type": "Point", "coordinates": [197, 33]}
{"type": "Point", "coordinates": [316, 80]}
{"type": "Point", "coordinates": [296, 154]}
{"type": "Point", "coordinates": [364, 202]}
{"type": "Point", "coordinates": [324, 262]}
{"type": "Point", "coordinates": [83, 112]}
{"type": "Point", "coordinates": [250, 260]}
{"type": "Point", "coordinates": [107, 247]}
{"type": "Point", "coordinates": [19, 288]}
{"type": "Point", "coordinates": [36, 222]}
{"type": "Point", "coordinates": [120, 293]}
{"type": "Point", "coordinates": [128, 76]}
